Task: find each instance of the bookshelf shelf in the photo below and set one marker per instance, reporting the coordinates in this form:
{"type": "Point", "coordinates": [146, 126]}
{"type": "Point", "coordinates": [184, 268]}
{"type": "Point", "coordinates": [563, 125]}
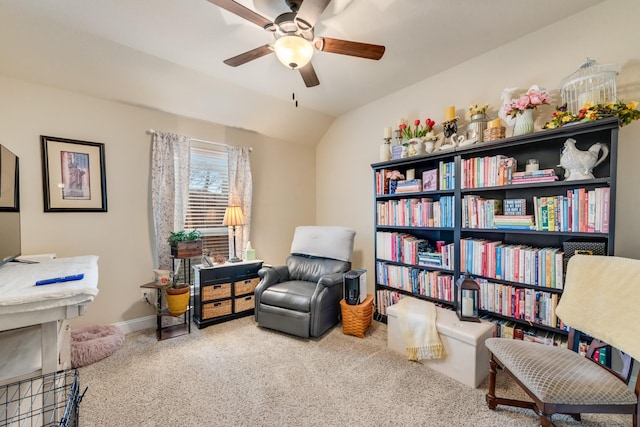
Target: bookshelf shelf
{"type": "Point", "coordinates": [394, 243]}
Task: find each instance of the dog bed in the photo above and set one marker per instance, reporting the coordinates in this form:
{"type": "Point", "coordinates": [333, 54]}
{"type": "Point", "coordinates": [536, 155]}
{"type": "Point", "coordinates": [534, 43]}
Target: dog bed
{"type": "Point", "coordinates": [93, 343]}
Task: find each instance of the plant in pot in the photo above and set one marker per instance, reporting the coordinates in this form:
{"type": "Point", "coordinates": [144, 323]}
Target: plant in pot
{"type": "Point", "coordinates": [185, 244]}
{"type": "Point", "coordinates": [177, 297]}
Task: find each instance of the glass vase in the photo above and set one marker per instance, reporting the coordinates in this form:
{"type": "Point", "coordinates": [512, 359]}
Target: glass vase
{"type": "Point", "coordinates": [524, 123]}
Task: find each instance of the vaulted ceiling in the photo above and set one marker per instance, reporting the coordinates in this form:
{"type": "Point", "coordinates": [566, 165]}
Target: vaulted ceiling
{"type": "Point", "coordinates": [168, 54]}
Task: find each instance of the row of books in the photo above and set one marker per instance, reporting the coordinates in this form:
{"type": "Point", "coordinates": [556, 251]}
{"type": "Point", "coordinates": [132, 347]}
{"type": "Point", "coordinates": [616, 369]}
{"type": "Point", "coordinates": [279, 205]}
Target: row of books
{"type": "Point", "coordinates": [433, 284]}
{"type": "Point", "coordinates": [409, 249]}
{"type": "Point", "coordinates": [386, 298]}
{"type": "Point", "coordinates": [580, 210]}
{"type": "Point", "coordinates": [442, 178]}
{"type": "Point", "coordinates": [416, 212]}
{"type": "Point", "coordinates": [489, 171]}
{"type": "Point", "coordinates": [478, 212]}
{"type": "Point", "coordinates": [515, 263]}
{"type": "Point", "coordinates": [520, 303]}
{"type": "Point", "coordinates": [511, 329]}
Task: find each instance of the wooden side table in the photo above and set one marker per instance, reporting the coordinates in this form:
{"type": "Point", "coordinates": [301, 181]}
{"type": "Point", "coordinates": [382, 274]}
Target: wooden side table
{"type": "Point", "coordinates": [165, 332]}
{"type": "Point", "coordinates": [356, 319]}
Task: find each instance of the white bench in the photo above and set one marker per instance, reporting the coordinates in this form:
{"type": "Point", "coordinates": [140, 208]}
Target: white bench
{"type": "Point", "coordinates": [467, 358]}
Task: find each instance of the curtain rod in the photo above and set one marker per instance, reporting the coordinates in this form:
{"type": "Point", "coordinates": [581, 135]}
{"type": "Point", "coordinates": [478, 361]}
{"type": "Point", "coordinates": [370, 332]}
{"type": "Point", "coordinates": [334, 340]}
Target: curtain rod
{"type": "Point", "coordinates": [152, 131]}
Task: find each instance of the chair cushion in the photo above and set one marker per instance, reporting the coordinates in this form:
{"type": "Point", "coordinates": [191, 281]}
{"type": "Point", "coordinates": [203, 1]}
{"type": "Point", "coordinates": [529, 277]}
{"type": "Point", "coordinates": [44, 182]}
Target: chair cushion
{"type": "Point", "coordinates": [324, 241]}
{"type": "Point", "coordinates": [559, 375]}
{"type": "Point", "coordinates": [311, 269]}
{"type": "Point", "coordinates": [294, 295]}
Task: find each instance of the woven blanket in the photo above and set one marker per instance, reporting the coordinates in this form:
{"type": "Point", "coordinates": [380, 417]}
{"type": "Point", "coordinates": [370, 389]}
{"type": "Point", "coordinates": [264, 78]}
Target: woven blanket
{"type": "Point", "coordinates": [602, 298]}
{"type": "Point", "coordinates": [418, 326]}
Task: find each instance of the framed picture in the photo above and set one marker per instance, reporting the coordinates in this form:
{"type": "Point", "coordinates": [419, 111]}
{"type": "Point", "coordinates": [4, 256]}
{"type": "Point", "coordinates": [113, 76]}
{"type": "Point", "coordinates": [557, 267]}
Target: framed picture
{"type": "Point", "coordinates": [9, 193]}
{"type": "Point", "coordinates": [430, 180]}
{"type": "Point", "coordinates": [73, 175]}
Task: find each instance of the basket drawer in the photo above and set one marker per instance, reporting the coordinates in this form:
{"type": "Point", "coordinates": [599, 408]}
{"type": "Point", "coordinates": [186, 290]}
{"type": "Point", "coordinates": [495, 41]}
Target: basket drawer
{"type": "Point", "coordinates": [246, 286]}
{"type": "Point", "coordinates": [222, 290]}
{"type": "Point", "coordinates": [244, 303]}
{"type": "Point", "coordinates": [216, 309]}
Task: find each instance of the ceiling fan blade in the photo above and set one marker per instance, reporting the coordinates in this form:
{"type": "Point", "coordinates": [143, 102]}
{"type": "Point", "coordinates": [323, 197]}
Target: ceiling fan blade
{"type": "Point", "coordinates": [250, 55]}
{"type": "Point", "coordinates": [242, 12]}
{"type": "Point", "coordinates": [309, 12]}
{"type": "Point", "coordinates": [309, 75]}
{"type": "Point", "coordinates": [345, 47]}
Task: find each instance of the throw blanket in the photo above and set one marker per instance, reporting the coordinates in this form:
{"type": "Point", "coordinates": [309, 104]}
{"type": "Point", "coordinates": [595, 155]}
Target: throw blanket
{"type": "Point", "coordinates": [602, 298]}
{"type": "Point", "coordinates": [417, 320]}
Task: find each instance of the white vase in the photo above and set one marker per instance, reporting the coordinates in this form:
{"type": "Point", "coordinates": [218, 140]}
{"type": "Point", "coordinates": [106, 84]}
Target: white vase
{"type": "Point", "coordinates": [524, 123]}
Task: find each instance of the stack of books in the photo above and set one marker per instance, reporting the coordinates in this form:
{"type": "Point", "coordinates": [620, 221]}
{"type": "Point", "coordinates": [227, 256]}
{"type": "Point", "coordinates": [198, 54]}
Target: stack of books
{"type": "Point", "coordinates": [544, 175]}
{"type": "Point", "coordinates": [514, 222]}
{"type": "Point", "coordinates": [409, 186]}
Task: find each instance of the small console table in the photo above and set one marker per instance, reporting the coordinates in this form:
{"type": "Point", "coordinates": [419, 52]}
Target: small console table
{"type": "Point", "coordinates": [224, 292]}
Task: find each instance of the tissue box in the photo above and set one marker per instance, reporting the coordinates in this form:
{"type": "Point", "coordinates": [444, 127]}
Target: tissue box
{"type": "Point", "coordinates": [467, 359]}
{"type": "Point", "coordinates": [249, 255]}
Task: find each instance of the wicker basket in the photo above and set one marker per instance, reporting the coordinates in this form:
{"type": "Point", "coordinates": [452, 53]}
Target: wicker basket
{"type": "Point", "coordinates": [246, 286]}
{"type": "Point", "coordinates": [356, 319]}
{"type": "Point", "coordinates": [216, 309]}
{"type": "Point", "coordinates": [492, 134]}
{"type": "Point", "coordinates": [212, 292]}
{"type": "Point", "coordinates": [243, 304]}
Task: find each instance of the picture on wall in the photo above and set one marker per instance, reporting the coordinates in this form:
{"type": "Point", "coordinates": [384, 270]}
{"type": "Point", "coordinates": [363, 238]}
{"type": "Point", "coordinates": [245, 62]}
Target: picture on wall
{"type": "Point", "coordinates": [9, 194]}
{"type": "Point", "coordinates": [73, 175]}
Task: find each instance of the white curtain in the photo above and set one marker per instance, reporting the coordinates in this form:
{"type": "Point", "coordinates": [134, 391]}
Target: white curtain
{"type": "Point", "coordinates": [240, 193]}
{"type": "Point", "coordinates": [169, 190]}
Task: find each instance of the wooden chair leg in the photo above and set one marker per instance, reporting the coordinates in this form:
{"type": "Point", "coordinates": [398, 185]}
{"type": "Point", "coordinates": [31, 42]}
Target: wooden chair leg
{"type": "Point", "coordinates": [545, 420]}
{"type": "Point", "coordinates": [491, 394]}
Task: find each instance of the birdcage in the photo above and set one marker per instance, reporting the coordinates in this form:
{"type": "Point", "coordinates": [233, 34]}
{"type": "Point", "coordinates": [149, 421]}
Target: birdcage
{"type": "Point", "coordinates": [591, 82]}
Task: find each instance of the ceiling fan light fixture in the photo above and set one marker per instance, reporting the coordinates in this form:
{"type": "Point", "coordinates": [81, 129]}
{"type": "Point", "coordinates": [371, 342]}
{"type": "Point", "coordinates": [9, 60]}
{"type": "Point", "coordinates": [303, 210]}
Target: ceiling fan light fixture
{"type": "Point", "coordinates": [293, 51]}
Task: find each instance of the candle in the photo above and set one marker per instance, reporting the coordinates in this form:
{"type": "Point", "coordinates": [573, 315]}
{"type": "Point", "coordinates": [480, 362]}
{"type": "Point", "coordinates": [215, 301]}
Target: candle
{"type": "Point", "coordinates": [402, 121]}
{"type": "Point", "coordinates": [494, 123]}
{"type": "Point", "coordinates": [467, 306]}
{"type": "Point", "coordinates": [450, 113]}
{"type": "Point", "coordinates": [532, 165]}
{"type": "Point", "coordinates": [387, 132]}
{"type": "Point", "coordinates": [411, 174]}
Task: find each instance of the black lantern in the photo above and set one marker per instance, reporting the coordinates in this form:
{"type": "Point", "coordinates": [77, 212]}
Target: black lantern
{"type": "Point", "coordinates": [468, 294]}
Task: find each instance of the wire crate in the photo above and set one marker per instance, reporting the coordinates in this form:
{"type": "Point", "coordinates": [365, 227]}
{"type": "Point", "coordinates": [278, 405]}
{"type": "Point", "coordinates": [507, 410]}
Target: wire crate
{"type": "Point", "coordinates": [47, 400]}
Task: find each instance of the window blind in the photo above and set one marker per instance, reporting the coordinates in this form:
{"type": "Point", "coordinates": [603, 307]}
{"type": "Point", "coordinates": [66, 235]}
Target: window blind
{"type": "Point", "coordinates": [208, 196]}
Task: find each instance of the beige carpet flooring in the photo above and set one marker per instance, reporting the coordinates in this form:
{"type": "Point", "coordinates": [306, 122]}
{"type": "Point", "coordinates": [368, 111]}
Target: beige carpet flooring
{"type": "Point", "coordinates": [237, 374]}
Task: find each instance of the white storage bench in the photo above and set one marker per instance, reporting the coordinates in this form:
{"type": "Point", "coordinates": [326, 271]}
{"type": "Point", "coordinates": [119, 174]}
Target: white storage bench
{"type": "Point", "coordinates": [467, 358]}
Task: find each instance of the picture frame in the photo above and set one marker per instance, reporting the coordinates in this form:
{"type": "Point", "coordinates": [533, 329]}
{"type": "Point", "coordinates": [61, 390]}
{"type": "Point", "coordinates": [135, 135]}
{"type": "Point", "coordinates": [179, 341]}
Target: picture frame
{"type": "Point", "coordinates": [73, 175]}
{"type": "Point", "coordinates": [9, 181]}
{"type": "Point", "coordinates": [430, 180]}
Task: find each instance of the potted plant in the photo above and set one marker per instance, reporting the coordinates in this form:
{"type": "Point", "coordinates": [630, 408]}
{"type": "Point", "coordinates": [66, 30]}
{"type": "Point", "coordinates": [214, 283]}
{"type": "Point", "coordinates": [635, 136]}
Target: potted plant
{"type": "Point", "coordinates": [185, 244]}
{"type": "Point", "coordinates": [177, 297]}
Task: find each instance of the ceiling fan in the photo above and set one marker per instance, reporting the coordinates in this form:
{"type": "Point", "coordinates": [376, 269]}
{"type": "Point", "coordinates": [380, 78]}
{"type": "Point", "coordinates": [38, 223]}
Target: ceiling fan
{"type": "Point", "coordinates": [294, 39]}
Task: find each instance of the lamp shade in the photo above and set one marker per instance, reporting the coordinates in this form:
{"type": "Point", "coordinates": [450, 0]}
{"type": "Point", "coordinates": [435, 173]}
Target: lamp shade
{"type": "Point", "coordinates": [293, 51]}
{"type": "Point", "coordinates": [233, 216]}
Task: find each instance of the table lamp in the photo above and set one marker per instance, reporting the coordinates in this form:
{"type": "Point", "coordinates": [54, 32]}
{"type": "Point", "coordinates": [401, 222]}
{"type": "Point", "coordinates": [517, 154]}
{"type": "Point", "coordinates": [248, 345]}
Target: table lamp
{"type": "Point", "coordinates": [233, 216]}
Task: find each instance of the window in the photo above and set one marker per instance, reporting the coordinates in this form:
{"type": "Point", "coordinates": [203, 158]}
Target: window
{"type": "Point", "coordinates": [209, 196]}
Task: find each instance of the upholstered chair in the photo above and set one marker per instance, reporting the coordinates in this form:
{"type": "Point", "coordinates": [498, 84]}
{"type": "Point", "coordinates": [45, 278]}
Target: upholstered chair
{"type": "Point", "coordinates": [601, 299]}
{"type": "Point", "coordinates": [303, 296]}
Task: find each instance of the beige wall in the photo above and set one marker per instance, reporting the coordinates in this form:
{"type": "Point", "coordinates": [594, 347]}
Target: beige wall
{"type": "Point", "coordinates": [604, 32]}
{"type": "Point", "coordinates": [283, 197]}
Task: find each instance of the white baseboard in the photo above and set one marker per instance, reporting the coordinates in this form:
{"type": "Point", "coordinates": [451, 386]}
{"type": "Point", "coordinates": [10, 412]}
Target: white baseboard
{"type": "Point", "coordinates": [138, 324]}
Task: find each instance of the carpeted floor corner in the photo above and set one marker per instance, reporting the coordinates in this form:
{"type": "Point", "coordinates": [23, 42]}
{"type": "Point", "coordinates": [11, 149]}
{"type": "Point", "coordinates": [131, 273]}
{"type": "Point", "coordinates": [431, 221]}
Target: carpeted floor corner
{"type": "Point", "coordinates": [237, 374]}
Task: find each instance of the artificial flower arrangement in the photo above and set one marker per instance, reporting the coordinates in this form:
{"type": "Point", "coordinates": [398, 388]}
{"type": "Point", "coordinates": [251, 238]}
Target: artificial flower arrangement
{"type": "Point", "coordinates": [626, 113]}
{"type": "Point", "coordinates": [530, 100]}
{"type": "Point", "coordinates": [394, 175]}
{"type": "Point", "coordinates": [475, 110]}
{"type": "Point", "coordinates": [420, 131]}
